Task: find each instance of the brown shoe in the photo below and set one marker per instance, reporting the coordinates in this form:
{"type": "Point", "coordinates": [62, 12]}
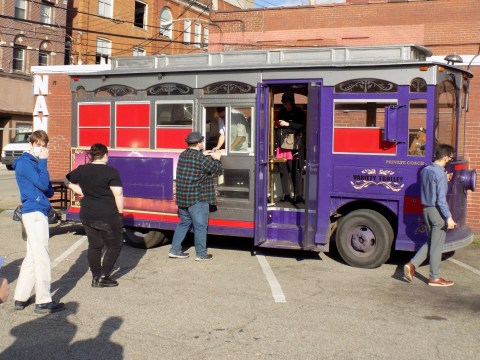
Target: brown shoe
{"type": "Point", "coordinates": [409, 271]}
{"type": "Point", "coordinates": [440, 282]}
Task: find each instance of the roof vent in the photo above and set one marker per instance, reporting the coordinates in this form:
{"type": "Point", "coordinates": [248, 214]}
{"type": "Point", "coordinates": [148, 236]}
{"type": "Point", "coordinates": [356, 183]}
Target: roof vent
{"type": "Point", "coordinates": [453, 58]}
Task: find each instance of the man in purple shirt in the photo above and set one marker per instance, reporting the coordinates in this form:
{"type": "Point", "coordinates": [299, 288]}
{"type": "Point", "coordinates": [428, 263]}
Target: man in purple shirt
{"type": "Point", "coordinates": [438, 218]}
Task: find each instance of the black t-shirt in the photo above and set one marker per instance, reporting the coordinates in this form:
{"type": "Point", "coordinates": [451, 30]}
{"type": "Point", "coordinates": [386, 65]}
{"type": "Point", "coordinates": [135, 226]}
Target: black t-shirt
{"type": "Point", "coordinates": [98, 202]}
{"type": "Point", "coordinates": [296, 120]}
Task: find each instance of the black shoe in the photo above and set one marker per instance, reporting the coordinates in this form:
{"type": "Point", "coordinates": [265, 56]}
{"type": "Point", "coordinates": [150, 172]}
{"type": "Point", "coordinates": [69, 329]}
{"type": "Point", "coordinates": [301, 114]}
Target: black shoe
{"type": "Point", "coordinates": [297, 200]}
{"type": "Point", "coordinates": [206, 257]}
{"type": "Point", "coordinates": [104, 281]}
{"type": "Point", "coordinates": [49, 308]}
{"type": "Point", "coordinates": [20, 305]}
{"type": "Point", "coordinates": [285, 198]}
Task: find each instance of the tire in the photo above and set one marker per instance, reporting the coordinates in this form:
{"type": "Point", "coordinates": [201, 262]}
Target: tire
{"type": "Point", "coordinates": [9, 167]}
{"type": "Point", "coordinates": [364, 239]}
{"type": "Point", "coordinates": [144, 238]}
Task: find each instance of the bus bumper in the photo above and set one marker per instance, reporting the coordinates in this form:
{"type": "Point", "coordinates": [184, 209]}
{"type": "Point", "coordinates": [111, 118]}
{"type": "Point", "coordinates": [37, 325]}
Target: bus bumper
{"type": "Point", "coordinates": [458, 238]}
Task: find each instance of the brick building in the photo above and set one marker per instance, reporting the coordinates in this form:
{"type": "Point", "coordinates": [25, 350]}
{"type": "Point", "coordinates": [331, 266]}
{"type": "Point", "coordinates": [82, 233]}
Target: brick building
{"type": "Point", "coordinates": [31, 33]}
{"type": "Point", "coordinates": [99, 29]}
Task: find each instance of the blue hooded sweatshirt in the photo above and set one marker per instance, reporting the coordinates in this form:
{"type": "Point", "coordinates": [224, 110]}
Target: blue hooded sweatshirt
{"type": "Point", "coordinates": [34, 183]}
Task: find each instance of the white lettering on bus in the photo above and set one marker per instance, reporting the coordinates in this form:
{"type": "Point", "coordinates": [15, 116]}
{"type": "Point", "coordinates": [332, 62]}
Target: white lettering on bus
{"type": "Point", "coordinates": [40, 90]}
{"type": "Point", "coordinates": [404, 162]}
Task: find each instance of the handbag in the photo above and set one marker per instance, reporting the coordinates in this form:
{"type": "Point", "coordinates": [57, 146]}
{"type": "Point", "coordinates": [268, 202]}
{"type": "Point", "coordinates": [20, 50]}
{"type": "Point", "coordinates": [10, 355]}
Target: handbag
{"type": "Point", "coordinates": [288, 142]}
{"type": "Point", "coordinates": [52, 215]}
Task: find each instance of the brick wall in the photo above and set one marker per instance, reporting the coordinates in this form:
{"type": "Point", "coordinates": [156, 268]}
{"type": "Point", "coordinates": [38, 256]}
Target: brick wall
{"type": "Point", "coordinates": [32, 35]}
{"type": "Point", "coordinates": [59, 103]}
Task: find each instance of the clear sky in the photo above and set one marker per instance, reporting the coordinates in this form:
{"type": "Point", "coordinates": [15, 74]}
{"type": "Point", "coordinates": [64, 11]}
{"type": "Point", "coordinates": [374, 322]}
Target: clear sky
{"type": "Point", "coordinates": [276, 3]}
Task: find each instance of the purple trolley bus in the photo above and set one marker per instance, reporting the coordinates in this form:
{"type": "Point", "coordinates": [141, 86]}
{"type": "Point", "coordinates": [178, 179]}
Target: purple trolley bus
{"type": "Point", "coordinates": [373, 116]}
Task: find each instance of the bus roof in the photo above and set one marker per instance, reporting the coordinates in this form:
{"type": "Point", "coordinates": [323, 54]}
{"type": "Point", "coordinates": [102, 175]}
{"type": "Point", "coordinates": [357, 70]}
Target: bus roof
{"type": "Point", "coordinates": [333, 57]}
{"type": "Point", "coordinates": [246, 59]}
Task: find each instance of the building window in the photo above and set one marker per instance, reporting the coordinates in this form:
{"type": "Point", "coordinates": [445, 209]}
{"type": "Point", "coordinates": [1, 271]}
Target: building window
{"type": "Point", "coordinates": [205, 37]}
{"type": "Point", "coordinates": [187, 25]}
{"type": "Point", "coordinates": [166, 22]}
{"type": "Point", "coordinates": [45, 13]}
{"type": "Point", "coordinates": [20, 9]}
{"type": "Point", "coordinates": [43, 58]}
{"type": "Point", "coordinates": [138, 51]}
{"type": "Point", "coordinates": [140, 15]}
{"type": "Point", "coordinates": [105, 8]}
{"type": "Point", "coordinates": [104, 51]}
{"type": "Point", "coordinates": [18, 58]}
{"type": "Point", "coordinates": [197, 35]}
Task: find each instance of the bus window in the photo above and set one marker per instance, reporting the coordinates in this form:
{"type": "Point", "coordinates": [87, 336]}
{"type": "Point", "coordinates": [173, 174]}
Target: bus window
{"type": "Point", "coordinates": [358, 127]}
{"type": "Point", "coordinates": [461, 126]}
{"type": "Point", "coordinates": [174, 120]}
{"type": "Point", "coordinates": [445, 123]}
{"type": "Point", "coordinates": [176, 114]}
{"type": "Point", "coordinates": [214, 127]}
{"type": "Point", "coordinates": [417, 122]}
{"type": "Point", "coordinates": [240, 132]}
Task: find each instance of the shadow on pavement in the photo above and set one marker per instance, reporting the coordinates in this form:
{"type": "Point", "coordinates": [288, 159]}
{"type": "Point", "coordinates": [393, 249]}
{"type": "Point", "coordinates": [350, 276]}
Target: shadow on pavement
{"type": "Point", "coordinates": [49, 337]}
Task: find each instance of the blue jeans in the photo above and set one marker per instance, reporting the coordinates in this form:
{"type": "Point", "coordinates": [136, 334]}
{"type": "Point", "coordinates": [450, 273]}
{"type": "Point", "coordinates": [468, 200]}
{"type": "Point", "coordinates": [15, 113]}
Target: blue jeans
{"type": "Point", "coordinates": [197, 215]}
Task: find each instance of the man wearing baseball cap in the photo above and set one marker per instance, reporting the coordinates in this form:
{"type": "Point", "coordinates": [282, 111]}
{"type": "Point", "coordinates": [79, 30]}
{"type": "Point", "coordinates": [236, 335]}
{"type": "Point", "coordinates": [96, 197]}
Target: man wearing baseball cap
{"type": "Point", "coordinates": [195, 193]}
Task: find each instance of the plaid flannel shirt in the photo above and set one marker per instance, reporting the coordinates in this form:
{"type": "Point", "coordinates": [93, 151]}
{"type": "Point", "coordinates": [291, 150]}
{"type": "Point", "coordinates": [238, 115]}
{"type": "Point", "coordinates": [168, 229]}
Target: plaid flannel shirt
{"type": "Point", "coordinates": [195, 174]}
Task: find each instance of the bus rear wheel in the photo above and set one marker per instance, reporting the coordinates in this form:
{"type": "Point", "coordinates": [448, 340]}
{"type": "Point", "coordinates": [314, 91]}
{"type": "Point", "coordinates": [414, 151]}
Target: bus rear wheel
{"type": "Point", "coordinates": [144, 238]}
{"type": "Point", "coordinates": [364, 238]}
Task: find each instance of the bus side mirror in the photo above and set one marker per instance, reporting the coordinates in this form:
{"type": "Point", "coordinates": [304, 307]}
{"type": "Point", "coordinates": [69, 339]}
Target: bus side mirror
{"type": "Point", "coordinates": [391, 120]}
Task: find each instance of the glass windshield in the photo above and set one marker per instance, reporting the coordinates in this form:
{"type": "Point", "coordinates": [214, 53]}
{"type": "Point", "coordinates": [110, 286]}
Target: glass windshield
{"type": "Point", "coordinates": [21, 138]}
{"type": "Point", "coordinates": [461, 126]}
{"type": "Point", "coordinates": [445, 119]}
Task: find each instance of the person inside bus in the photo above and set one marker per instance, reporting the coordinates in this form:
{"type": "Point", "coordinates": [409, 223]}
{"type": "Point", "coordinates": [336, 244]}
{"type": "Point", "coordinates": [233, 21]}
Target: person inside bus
{"type": "Point", "coordinates": [221, 128]}
{"type": "Point", "coordinates": [290, 119]}
{"type": "Point", "coordinates": [238, 132]}
{"type": "Point", "coordinates": [437, 215]}
{"type": "Point", "coordinates": [101, 212]}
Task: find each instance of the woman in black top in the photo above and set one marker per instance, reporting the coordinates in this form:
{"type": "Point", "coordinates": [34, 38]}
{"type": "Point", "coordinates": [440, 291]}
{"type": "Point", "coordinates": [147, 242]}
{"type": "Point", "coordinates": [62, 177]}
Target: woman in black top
{"type": "Point", "coordinates": [290, 119]}
{"type": "Point", "coordinates": [101, 212]}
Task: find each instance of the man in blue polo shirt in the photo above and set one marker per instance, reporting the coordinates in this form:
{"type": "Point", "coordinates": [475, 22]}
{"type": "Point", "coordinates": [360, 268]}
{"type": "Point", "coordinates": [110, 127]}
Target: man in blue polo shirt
{"type": "Point", "coordinates": [195, 193]}
{"type": "Point", "coordinates": [438, 218]}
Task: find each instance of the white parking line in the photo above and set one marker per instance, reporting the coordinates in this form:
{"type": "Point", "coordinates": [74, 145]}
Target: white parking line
{"type": "Point", "coordinates": [275, 287]}
{"type": "Point", "coordinates": [465, 266]}
{"type": "Point", "coordinates": [67, 252]}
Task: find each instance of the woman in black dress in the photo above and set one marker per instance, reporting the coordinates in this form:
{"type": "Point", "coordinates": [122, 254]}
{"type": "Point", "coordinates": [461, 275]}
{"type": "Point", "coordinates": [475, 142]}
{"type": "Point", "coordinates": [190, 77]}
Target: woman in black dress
{"type": "Point", "coordinates": [290, 119]}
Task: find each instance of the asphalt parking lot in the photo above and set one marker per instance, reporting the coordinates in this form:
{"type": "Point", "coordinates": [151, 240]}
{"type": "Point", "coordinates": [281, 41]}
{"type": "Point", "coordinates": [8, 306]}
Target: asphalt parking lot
{"type": "Point", "coordinates": [245, 304]}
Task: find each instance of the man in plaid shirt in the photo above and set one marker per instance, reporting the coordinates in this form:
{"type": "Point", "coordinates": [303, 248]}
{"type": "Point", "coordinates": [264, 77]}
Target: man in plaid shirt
{"type": "Point", "coordinates": [194, 193]}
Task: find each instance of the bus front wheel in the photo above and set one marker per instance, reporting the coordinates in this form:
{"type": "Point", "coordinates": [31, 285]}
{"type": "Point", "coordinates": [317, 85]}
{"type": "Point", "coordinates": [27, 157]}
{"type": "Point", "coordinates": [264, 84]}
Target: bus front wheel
{"type": "Point", "coordinates": [364, 238]}
{"type": "Point", "coordinates": [144, 238]}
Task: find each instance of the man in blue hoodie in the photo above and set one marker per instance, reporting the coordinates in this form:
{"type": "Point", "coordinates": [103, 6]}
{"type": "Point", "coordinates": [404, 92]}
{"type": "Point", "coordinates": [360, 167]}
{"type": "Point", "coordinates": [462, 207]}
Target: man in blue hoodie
{"type": "Point", "coordinates": [35, 188]}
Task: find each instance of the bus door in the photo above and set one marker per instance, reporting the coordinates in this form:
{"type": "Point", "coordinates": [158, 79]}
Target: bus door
{"type": "Point", "coordinates": [312, 166]}
{"type": "Point", "coordinates": [281, 174]}
{"type": "Point", "coordinates": [262, 163]}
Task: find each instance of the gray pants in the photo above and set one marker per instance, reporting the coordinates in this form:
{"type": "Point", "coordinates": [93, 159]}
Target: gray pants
{"type": "Point", "coordinates": [437, 232]}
